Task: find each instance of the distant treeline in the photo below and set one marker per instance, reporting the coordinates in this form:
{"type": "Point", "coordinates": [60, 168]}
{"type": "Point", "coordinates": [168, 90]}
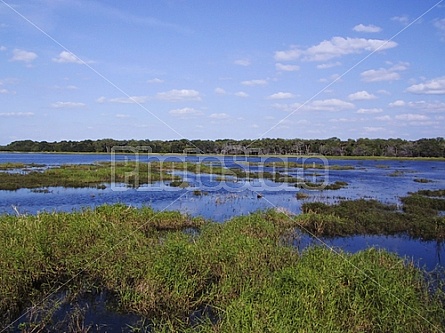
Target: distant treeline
{"type": "Point", "coordinates": [434, 147]}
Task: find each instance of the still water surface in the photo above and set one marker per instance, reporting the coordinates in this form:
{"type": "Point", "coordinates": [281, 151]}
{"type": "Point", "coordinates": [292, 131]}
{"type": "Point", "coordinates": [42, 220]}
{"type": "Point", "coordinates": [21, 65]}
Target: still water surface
{"type": "Point", "coordinates": [385, 181]}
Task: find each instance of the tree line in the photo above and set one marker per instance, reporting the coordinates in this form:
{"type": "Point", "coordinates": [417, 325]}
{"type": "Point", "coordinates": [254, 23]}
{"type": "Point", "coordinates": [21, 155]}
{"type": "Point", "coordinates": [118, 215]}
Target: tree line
{"type": "Point", "coordinates": [426, 147]}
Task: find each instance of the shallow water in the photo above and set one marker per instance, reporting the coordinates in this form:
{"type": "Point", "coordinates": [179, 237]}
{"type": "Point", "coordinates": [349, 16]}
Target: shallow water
{"type": "Point", "coordinates": [216, 199]}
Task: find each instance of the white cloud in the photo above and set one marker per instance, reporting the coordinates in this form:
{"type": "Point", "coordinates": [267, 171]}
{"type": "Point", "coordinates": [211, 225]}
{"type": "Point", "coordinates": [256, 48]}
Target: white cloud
{"type": "Point", "coordinates": [67, 105]}
{"type": "Point", "coordinates": [333, 104]}
{"type": "Point", "coordinates": [367, 28]}
{"type": "Point", "coordinates": [420, 105]}
{"type": "Point", "coordinates": [219, 116]}
{"type": "Point", "coordinates": [401, 19]}
{"type": "Point", "coordinates": [432, 87]}
{"type": "Point", "coordinates": [398, 103]}
{"type": "Point", "coordinates": [22, 55]}
{"type": "Point", "coordinates": [361, 96]}
{"type": "Point", "coordinates": [220, 91]}
{"type": "Point", "coordinates": [440, 26]}
{"type": "Point", "coordinates": [179, 95]}
{"type": "Point", "coordinates": [254, 82]}
{"type": "Point", "coordinates": [286, 68]}
{"type": "Point", "coordinates": [411, 117]}
{"type": "Point", "coordinates": [3, 48]}
{"type": "Point", "coordinates": [121, 115]}
{"type": "Point", "coordinates": [241, 94]}
{"type": "Point", "coordinates": [369, 111]}
{"type": "Point", "coordinates": [185, 113]}
{"type": "Point", "coordinates": [329, 65]}
{"type": "Point", "coordinates": [384, 74]}
{"type": "Point", "coordinates": [281, 95]}
{"type": "Point", "coordinates": [242, 62]}
{"type": "Point", "coordinates": [334, 48]}
{"type": "Point", "coordinates": [371, 129]}
{"type": "Point", "coordinates": [155, 80]}
{"type": "Point", "coordinates": [383, 118]}
{"type": "Point", "coordinates": [123, 100]}
{"type": "Point", "coordinates": [68, 57]}
{"type": "Point", "coordinates": [16, 114]}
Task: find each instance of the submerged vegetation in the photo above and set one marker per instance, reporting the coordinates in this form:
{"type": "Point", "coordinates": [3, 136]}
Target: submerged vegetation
{"type": "Point", "coordinates": [183, 274]}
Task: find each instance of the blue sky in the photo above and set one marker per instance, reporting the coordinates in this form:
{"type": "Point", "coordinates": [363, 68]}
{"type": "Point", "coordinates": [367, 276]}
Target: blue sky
{"type": "Point", "coordinates": [171, 69]}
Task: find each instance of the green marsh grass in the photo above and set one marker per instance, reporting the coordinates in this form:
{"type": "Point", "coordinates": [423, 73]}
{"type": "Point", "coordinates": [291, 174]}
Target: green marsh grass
{"type": "Point", "coordinates": [86, 175]}
{"type": "Point", "coordinates": [241, 276]}
{"type": "Point", "coordinates": [419, 217]}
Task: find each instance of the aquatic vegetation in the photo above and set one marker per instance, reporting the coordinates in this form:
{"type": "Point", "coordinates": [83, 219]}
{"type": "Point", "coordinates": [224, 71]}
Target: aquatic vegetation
{"type": "Point", "coordinates": [423, 180]}
{"type": "Point", "coordinates": [86, 175]}
{"type": "Point", "coordinates": [19, 165]}
{"type": "Point", "coordinates": [308, 165]}
{"type": "Point", "coordinates": [419, 219]}
{"type": "Point", "coordinates": [240, 276]}
{"type": "Point", "coordinates": [337, 185]}
{"type": "Point", "coordinates": [396, 173]}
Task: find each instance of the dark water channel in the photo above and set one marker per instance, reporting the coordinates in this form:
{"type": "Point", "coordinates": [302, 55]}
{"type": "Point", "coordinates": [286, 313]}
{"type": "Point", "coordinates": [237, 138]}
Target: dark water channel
{"type": "Point", "coordinates": [219, 200]}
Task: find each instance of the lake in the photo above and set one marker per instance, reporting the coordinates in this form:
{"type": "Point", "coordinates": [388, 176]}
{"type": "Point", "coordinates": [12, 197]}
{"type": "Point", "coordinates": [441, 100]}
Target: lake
{"type": "Point", "coordinates": [220, 199]}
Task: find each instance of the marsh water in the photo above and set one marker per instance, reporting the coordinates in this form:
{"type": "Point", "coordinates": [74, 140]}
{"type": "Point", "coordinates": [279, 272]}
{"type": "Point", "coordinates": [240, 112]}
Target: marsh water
{"type": "Point", "coordinates": [220, 199]}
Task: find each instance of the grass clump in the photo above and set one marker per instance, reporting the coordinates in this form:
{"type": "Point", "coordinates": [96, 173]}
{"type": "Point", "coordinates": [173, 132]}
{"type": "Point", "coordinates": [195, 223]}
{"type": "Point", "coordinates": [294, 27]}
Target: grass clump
{"type": "Point", "coordinates": [419, 217]}
{"type": "Point", "coordinates": [337, 185]}
{"type": "Point", "coordinates": [423, 180]}
{"type": "Point", "coordinates": [86, 175]}
{"type": "Point", "coordinates": [240, 276]}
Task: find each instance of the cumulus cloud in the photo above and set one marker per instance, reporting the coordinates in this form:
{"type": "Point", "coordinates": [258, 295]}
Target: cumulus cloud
{"type": "Point", "coordinates": [398, 103]}
{"type": "Point", "coordinates": [16, 114]}
{"type": "Point", "coordinates": [369, 111]}
{"type": "Point", "coordinates": [123, 100]}
{"type": "Point", "coordinates": [22, 55]}
{"type": "Point", "coordinates": [383, 118]}
{"type": "Point", "coordinates": [404, 19]}
{"type": "Point", "coordinates": [334, 48]}
{"type": "Point", "coordinates": [176, 95]}
{"type": "Point", "coordinates": [384, 74]}
{"type": "Point", "coordinates": [432, 87]}
{"type": "Point", "coordinates": [67, 105]}
{"type": "Point", "coordinates": [440, 26]}
{"type": "Point", "coordinates": [155, 80]}
{"type": "Point", "coordinates": [220, 91]}
{"type": "Point", "coordinates": [241, 94]}
{"type": "Point", "coordinates": [333, 104]}
{"type": "Point", "coordinates": [242, 62]}
{"type": "Point", "coordinates": [286, 68]}
{"type": "Point", "coordinates": [361, 96]}
{"type": "Point", "coordinates": [219, 116]}
{"type": "Point", "coordinates": [329, 65]}
{"type": "Point", "coordinates": [254, 82]}
{"type": "Point", "coordinates": [186, 113]}
{"type": "Point", "coordinates": [434, 106]}
{"type": "Point", "coordinates": [68, 57]}
{"type": "Point", "coordinates": [371, 129]}
{"type": "Point", "coordinates": [281, 95]}
{"type": "Point", "coordinates": [367, 28]}
{"type": "Point", "coordinates": [411, 117]}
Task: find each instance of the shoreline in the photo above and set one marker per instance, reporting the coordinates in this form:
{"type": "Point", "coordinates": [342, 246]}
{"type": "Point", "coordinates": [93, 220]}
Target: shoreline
{"type": "Point", "coordinates": [328, 157]}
